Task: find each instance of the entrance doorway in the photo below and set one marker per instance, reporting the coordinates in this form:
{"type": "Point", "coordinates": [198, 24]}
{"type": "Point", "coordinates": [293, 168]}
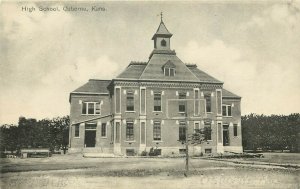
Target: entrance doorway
{"type": "Point", "coordinates": [90, 138]}
{"type": "Point", "coordinates": [90, 135]}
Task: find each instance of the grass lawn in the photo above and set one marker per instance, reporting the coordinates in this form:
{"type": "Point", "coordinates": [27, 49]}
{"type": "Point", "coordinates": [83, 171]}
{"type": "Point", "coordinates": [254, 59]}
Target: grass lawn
{"type": "Point", "coordinates": [72, 171]}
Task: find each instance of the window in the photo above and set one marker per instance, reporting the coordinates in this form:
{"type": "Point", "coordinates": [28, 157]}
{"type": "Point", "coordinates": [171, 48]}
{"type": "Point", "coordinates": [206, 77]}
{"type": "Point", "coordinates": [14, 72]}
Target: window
{"type": "Point", "coordinates": [182, 102]}
{"type": "Point", "coordinates": [103, 130]}
{"type": "Point", "coordinates": [157, 102]}
{"type": "Point", "coordinates": [130, 101]}
{"type": "Point", "coordinates": [207, 150]}
{"type": "Point", "coordinates": [143, 132]}
{"type": "Point", "coordinates": [143, 101]}
{"type": "Point", "coordinates": [77, 130]}
{"type": "Point", "coordinates": [207, 131]}
{"type": "Point", "coordinates": [163, 43]}
{"type": "Point", "coordinates": [130, 152]}
{"type": "Point", "coordinates": [182, 151]}
{"type": "Point", "coordinates": [196, 102]}
{"type": "Point", "coordinates": [235, 130]}
{"type": "Point", "coordinates": [182, 131]}
{"type": "Point", "coordinates": [169, 71]}
{"type": "Point", "coordinates": [220, 132]}
{"type": "Point", "coordinates": [219, 102]}
{"type": "Point", "coordinates": [90, 126]}
{"type": "Point", "coordinates": [90, 108]}
{"type": "Point", "coordinates": [196, 127]}
{"type": "Point", "coordinates": [226, 110]}
{"type": "Point", "coordinates": [117, 132]}
{"type": "Point", "coordinates": [156, 131]}
{"type": "Point", "coordinates": [118, 100]}
{"type": "Point", "coordinates": [208, 102]}
{"type": "Point", "coordinates": [129, 131]}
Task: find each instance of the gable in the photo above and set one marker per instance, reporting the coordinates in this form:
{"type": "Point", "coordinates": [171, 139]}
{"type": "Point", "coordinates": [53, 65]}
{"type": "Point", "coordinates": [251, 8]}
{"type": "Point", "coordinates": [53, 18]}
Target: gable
{"type": "Point", "coordinates": [154, 70]}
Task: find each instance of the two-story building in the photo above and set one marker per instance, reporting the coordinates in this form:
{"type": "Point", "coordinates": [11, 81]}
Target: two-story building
{"type": "Point", "coordinates": [155, 104]}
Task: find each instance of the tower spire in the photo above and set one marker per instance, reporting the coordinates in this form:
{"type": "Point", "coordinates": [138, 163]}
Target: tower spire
{"type": "Point", "coordinates": [161, 16]}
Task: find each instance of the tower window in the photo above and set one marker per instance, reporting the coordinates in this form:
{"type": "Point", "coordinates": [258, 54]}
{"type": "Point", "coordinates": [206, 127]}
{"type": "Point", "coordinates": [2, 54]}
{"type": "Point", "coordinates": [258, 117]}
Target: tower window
{"type": "Point", "coordinates": [163, 43]}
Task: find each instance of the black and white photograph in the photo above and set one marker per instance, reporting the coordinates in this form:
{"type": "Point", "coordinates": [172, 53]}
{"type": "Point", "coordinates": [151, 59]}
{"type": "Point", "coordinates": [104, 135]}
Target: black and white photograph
{"type": "Point", "coordinates": [150, 94]}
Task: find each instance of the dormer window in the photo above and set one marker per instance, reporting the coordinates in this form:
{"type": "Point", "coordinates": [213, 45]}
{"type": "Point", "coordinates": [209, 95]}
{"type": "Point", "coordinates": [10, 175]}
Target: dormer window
{"type": "Point", "coordinates": [163, 43]}
{"type": "Point", "coordinates": [169, 69]}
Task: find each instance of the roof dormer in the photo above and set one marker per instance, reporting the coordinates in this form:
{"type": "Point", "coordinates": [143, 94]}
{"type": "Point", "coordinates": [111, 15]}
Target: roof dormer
{"type": "Point", "coordinates": [169, 69]}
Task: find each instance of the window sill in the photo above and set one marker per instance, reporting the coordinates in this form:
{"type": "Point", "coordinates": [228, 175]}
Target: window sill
{"type": "Point", "coordinates": [158, 141]}
{"type": "Point", "coordinates": [209, 112]}
{"type": "Point", "coordinates": [104, 137]}
{"type": "Point", "coordinates": [77, 137]}
{"type": "Point", "coordinates": [90, 114]}
{"type": "Point", "coordinates": [129, 141]}
{"type": "Point", "coordinates": [227, 116]}
{"type": "Point", "coordinates": [157, 111]}
{"type": "Point", "coordinates": [129, 111]}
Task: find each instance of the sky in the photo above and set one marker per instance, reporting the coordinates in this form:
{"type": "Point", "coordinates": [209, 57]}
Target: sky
{"type": "Point", "coordinates": [254, 48]}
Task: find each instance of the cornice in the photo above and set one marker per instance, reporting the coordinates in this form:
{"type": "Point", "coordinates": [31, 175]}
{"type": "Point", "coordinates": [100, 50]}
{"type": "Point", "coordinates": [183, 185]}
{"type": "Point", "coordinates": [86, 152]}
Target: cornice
{"type": "Point", "coordinates": [167, 84]}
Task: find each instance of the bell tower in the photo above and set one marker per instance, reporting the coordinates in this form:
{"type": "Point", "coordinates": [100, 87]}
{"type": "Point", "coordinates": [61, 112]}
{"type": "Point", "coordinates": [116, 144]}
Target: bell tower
{"type": "Point", "coordinates": [162, 36]}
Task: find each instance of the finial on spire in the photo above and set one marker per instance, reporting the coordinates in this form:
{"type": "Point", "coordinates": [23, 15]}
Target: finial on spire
{"type": "Point", "coordinates": [161, 16]}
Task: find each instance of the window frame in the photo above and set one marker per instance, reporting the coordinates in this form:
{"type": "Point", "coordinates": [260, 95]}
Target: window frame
{"type": "Point", "coordinates": [208, 125]}
{"type": "Point", "coordinates": [103, 125]}
{"type": "Point", "coordinates": [129, 131]}
{"type": "Point", "coordinates": [182, 103]}
{"type": "Point", "coordinates": [235, 130]}
{"type": "Point", "coordinates": [167, 72]}
{"type": "Point", "coordinates": [227, 107]}
{"type": "Point", "coordinates": [154, 104]}
{"type": "Point", "coordinates": [206, 97]}
{"type": "Point", "coordinates": [157, 131]}
{"type": "Point", "coordinates": [96, 108]}
{"type": "Point", "coordinates": [182, 131]}
{"type": "Point", "coordinates": [129, 95]}
{"type": "Point", "coordinates": [163, 43]}
{"type": "Point", "coordinates": [77, 131]}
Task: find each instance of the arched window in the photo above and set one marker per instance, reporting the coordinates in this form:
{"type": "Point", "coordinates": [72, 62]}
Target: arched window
{"type": "Point", "coordinates": [163, 43]}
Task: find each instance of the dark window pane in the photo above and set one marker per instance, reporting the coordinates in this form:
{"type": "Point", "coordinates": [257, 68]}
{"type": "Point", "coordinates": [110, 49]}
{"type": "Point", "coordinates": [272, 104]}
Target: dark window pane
{"type": "Point", "coordinates": [229, 110]}
{"type": "Point", "coordinates": [235, 130]}
{"type": "Point", "coordinates": [207, 131]}
{"type": "Point", "coordinates": [130, 102]}
{"type": "Point", "coordinates": [117, 132]}
{"type": "Point", "coordinates": [163, 43]}
{"type": "Point", "coordinates": [182, 131]}
{"type": "Point", "coordinates": [76, 130]}
{"type": "Point", "coordinates": [91, 108]}
{"type": "Point", "coordinates": [103, 130]}
{"type": "Point", "coordinates": [219, 101]}
{"type": "Point", "coordinates": [157, 102]}
{"type": "Point", "coordinates": [97, 108]}
{"type": "Point", "coordinates": [156, 131]}
{"type": "Point", "coordinates": [143, 137]}
{"type": "Point", "coordinates": [118, 98]}
{"type": "Point", "coordinates": [84, 104]}
{"type": "Point", "coordinates": [182, 103]}
{"type": "Point", "coordinates": [172, 72]}
{"type": "Point", "coordinates": [143, 98]}
{"type": "Point", "coordinates": [167, 71]}
{"type": "Point", "coordinates": [208, 102]}
{"type": "Point", "coordinates": [129, 131]}
{"type": "Point", "coordinates": [224, 111]}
